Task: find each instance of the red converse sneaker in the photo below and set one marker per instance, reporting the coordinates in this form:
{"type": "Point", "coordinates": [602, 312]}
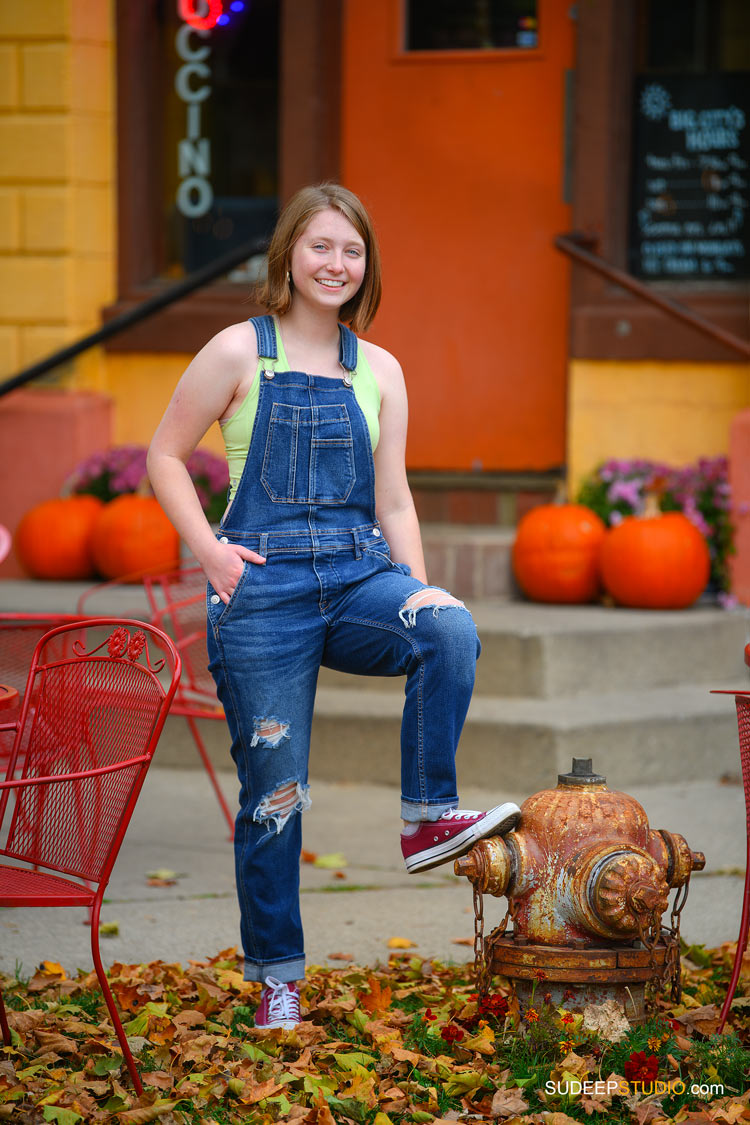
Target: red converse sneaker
{"type": "Point", "coordinates": [437, 841]}
{"type": "Point", "coordinates": [279, 1005]}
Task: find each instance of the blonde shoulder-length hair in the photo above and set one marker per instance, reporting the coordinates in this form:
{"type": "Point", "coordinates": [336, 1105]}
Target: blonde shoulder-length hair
{"type": "Point", "coordinates": [275, 293]}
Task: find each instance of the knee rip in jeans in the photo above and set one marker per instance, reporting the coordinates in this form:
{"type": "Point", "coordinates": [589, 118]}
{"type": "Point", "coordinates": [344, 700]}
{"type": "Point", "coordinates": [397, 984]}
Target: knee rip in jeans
{"type": "Point", "coordinates": [432, 597]}
{"type": "Point", "coordinates": [269, 732]}
{"type": "Point", "coordinates": [277, 807]}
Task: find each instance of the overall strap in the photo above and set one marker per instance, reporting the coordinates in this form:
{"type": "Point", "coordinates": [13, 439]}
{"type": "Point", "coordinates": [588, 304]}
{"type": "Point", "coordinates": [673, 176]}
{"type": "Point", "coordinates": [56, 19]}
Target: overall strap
{"type": "Point", "coordinates": [265, 330]}
{"type": "Point", "coordinates": [347, 349]}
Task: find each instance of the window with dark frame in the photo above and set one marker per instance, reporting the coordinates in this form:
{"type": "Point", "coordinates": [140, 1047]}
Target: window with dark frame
{"type": "Point", "coordinates": [606, 322]}
{"type": "Point", "coordinates": [219, 173]}
{"type": "Point", "coordinates": [474, 25]}
{"type": "Point", "coordinates": [283, 140]}
{"type": "Point", "coordinates": [690, 193]}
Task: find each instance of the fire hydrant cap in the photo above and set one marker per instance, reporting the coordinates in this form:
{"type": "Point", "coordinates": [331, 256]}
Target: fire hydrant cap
{"type": "Point", "coordinates": [581, 774]}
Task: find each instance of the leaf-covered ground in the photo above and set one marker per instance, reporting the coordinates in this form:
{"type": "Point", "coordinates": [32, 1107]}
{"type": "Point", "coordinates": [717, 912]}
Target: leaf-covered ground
{"type": "Point", "coordinates": [404, 1043]}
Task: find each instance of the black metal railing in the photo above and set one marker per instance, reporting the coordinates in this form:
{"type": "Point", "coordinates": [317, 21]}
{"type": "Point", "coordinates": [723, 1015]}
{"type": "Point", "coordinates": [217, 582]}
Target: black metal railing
{"type": "Point", "coordinates": [142, 311]}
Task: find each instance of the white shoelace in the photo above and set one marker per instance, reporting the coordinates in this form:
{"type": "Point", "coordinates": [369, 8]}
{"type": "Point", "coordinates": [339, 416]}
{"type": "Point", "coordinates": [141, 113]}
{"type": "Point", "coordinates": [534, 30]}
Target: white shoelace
{"type": "Point", "coordinates": [459, 814]}
{"type": "Point", "coordinates": [283, 1004]}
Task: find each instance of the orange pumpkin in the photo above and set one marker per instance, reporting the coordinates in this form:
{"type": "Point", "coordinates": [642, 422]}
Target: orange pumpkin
{"type": "Point", "coordinates": [655, 562]}
{"type": "Point", "coordinates": [132, 536]}
{"type": "Point", "coordinates": [53, 539]}
{"type": "Point", "coordinates": [556, 553]}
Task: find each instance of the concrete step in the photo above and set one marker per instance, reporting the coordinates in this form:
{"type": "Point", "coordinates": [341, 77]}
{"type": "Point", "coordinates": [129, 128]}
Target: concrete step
{"type": "Point", "coordinates": [628, 688]}
{"type": "Point", "coordinates": [543, 652]}
{"type": "Point", "coordinates": [528, 650]}
{"type": "Point", "coordinates": [662, 735]}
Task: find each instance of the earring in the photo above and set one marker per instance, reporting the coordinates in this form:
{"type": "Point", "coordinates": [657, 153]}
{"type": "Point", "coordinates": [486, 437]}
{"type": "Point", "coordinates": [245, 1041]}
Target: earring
{"type": "Point", "coordinates": [289, 277]}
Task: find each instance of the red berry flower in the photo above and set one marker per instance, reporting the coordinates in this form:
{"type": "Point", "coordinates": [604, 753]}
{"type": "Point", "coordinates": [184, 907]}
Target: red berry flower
{"type": "Point", "coordinates": [567, 1017]}
{"type": "Point", "coordinates": [641, 1067]}
{"type": "Point", "coordinates": [540, 974]}
{"type": "Point", "coordinates": [452, 1034]}
{"type": "Point", "coordinates": [531, 1015]}
{"type": "Point", "coordinates": [428, 1016]}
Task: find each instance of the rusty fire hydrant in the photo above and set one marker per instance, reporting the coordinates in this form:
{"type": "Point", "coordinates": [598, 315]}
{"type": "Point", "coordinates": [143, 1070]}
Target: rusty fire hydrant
{"type": "Point", "coordinates": [587, 883]}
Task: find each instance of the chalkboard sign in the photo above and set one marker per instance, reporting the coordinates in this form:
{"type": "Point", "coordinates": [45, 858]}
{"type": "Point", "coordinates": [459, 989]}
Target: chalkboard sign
{"type": "Point", "coordinates": [691, 177]}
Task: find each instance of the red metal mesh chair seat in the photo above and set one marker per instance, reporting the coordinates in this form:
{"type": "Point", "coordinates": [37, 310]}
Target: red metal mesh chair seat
{"type": "Point", "coordinates": [22, 887]}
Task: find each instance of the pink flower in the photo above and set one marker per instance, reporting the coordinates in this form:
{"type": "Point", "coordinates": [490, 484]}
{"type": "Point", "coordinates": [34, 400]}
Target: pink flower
{"type": "Point", "coordinates": [627, 490]}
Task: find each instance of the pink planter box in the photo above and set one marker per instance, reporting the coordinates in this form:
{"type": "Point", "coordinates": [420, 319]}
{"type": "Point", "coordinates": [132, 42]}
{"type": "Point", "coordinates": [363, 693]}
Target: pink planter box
{"type": "Point", "coordinates": [44, 434]}
{"type": "Point", "coordinates": [739, 479]}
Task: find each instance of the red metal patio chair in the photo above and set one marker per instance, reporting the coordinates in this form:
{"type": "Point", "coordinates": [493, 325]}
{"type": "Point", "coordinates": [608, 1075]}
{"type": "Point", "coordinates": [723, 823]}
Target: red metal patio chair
{"type": "Point", "coordinates": [742, 703]}
{"type": "Point", "coordinates": [178, 603]}
{"type": "Point", "coordinates": [88, 728]}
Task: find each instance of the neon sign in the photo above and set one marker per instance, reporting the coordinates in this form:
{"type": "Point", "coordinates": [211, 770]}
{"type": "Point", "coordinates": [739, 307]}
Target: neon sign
{"type": "Point", "coordinates": [203, 15]}
{"type": "Point", "coordinates": [192, 85]}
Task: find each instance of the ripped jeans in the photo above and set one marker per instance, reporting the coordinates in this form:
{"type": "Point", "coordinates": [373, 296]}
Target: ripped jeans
{"type": "Point", "coordinates": [355, 611]}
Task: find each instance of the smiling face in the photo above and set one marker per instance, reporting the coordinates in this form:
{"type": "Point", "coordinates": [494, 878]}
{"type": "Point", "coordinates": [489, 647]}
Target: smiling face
{"type": "Point", "coordinates": [328, 261]}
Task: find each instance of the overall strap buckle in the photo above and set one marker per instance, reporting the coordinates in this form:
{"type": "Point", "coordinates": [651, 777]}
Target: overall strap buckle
{"type": "Point", "coordinates": [265, 331]}
{"type": "Point", "coordinates": [348, 354]}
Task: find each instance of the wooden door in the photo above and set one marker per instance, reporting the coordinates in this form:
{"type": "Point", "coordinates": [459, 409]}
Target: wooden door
{"type": "Point", "coordinates": [461, 157]}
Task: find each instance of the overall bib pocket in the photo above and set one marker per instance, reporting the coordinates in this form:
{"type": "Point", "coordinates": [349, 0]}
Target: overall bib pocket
{"type": "Point", "coordinates": [309, 455]}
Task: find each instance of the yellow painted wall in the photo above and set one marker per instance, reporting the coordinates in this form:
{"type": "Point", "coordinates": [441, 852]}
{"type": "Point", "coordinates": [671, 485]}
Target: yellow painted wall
{"type": "Point", "coordinates": [142, 385]}
{"type": "Point", "coordinates": [673, 412]}
{"type": "Point", "coordinates": [57, 176]}
{"type": "Point", "coordinates": [58, 208]}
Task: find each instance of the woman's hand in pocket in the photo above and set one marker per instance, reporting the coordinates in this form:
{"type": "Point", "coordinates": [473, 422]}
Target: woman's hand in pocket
{"type": "Point", "coordinates": [224, 567]}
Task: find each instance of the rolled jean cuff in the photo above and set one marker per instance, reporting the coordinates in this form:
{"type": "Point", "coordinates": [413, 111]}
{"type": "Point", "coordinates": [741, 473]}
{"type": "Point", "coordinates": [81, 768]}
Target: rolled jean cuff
{"type": "Point", "coordinates": [415, 811]}
{"type": "Point", "coordinates": [285, 971]}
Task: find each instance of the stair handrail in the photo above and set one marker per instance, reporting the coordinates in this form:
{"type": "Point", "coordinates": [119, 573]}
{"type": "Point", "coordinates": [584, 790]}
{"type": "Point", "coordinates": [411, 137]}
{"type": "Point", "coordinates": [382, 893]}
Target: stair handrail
{"type": "Point", "coordinates": [574, 244]}
{"type": "Point", "coordinates": [141, 311]}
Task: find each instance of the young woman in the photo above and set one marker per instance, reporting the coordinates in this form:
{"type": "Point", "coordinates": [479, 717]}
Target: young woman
{"type": "Point", "coordinates": [318, 561]}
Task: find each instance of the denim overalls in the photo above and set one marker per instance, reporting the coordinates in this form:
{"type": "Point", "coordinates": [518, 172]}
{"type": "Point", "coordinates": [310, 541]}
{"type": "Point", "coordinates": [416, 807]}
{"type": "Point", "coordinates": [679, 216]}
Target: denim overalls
{"type": "Point", "coordinates": [329, 595]}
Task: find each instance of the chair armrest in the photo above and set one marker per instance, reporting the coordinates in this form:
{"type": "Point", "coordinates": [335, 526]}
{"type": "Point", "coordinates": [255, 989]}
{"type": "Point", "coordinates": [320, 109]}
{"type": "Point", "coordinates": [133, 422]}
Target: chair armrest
{"type": "Point", "coordinates": [80, 775]}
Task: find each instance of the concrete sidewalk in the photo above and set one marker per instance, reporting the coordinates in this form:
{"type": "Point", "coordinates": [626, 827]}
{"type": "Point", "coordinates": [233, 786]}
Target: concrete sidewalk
{"type": "Point", "coordinates": [177, 826]}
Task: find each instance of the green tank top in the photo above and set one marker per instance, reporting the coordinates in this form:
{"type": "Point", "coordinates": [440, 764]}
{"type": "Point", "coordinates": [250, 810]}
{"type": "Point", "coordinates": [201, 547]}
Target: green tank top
{"type": "Point", "coordinates": [238, 429]}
